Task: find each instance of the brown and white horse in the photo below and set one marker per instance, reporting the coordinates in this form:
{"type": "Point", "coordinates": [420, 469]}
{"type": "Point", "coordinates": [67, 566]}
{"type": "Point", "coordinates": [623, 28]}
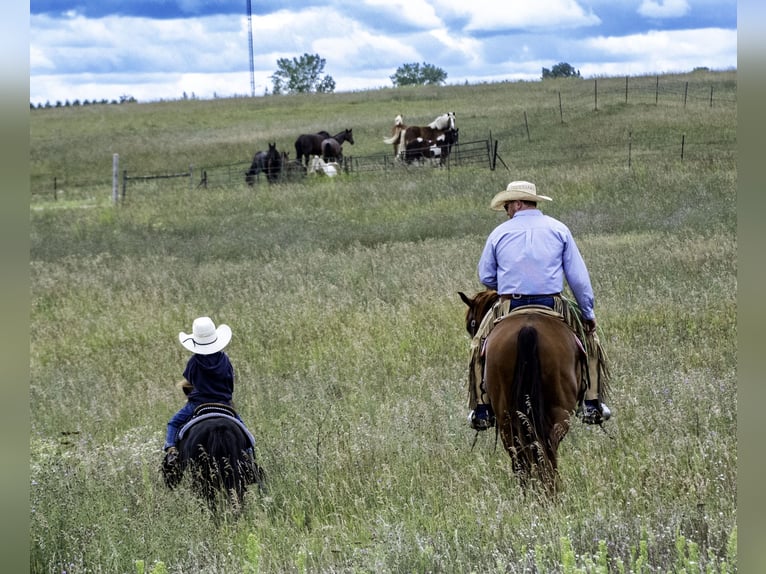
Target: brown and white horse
{"type": "Point", "coordinates": [404, 134]}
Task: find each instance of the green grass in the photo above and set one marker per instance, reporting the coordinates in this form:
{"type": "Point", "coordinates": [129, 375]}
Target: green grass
{"type": "Point", "coordinates": [349, 344]}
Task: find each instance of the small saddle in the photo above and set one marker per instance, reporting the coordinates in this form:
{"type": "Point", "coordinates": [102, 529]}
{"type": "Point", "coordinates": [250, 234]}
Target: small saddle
{"type": "Point", "coordinates": [216, 410]}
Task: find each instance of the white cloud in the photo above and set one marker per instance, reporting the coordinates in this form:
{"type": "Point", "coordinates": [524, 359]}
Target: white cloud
{"type": "Point", "coordinates": [494, 15]}
{"type": "Point", "coordinates": [678, 50]}
{"type": "Point", "coordinates": [664, 8]}
{"type": "Point", "coordinates": [416, 12]}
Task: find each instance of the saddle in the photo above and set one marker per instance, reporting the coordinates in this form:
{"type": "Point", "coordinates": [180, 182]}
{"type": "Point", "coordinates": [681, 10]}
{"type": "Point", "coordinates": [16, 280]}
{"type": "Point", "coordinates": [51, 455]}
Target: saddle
{"type": "Point", "coordinates": [216, 410]}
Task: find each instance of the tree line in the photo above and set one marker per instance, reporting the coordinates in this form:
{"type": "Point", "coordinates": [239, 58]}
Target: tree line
{"type": "Point", "coordinates": [305, 75]}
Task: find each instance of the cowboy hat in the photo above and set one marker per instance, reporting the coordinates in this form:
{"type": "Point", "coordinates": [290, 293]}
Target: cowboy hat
{"type": "Point", "coordinates": [205, 339]}
{"type": "Point", "coordinates": [521, 190]}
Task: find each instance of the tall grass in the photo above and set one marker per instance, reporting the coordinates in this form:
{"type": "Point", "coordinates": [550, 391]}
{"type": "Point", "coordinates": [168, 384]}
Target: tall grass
{"type": "Point", "coordinates": [351, 355]}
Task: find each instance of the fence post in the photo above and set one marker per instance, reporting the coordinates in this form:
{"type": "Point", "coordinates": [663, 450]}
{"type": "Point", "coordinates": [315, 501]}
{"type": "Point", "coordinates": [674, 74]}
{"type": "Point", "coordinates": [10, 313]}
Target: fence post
{"type": "Point", "coordinates": [55, 188]}
{"type": "Point", "coordinates": [191, 177]}
{"type": "Point", "coordinates": [630, 147]}
{"type": "Point", "coordinates": [683, 141]}
{"type": "Point", "coordinates": [686, 91]}
{"type": "Point", "coordinates": [526, 125]}
{"type": "Point", "coordinates": [595, 95]}
{"type": "Point", "coordinates": [124, 183]}
{"type": "Point", "coordinates": [626, 89]}
{"type": "Point", "coordinates": [115, 176]}
{"type": "Point", "coordinates": [711, 96]}
{"type": "Point", "coordinates": [561, 110]}
{"type": "Point", "coordinates": [657, 91]}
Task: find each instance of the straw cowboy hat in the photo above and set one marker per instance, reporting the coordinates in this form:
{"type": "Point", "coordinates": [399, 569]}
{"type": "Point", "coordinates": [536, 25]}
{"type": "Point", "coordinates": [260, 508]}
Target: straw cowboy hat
{"type": "Point", "coordinates": [205, 338]}
{"type": "Point", "coordinates": [521, 190]}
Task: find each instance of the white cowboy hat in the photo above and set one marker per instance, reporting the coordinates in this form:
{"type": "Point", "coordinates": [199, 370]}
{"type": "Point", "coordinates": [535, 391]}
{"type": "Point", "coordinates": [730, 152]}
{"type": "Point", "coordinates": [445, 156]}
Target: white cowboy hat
{"type": "Point", "coordinates": [205, 339]}
{"type": "Point", "coordinates": [521, 190]}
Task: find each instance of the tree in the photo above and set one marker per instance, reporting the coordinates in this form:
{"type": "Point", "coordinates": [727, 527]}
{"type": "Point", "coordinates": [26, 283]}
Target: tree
{"type": "Point", "coordinates": [561, 70]}
{"type": "Point", "coordinates": [418, 75]}
{"type": "Point", "coordinates": [302, 75]}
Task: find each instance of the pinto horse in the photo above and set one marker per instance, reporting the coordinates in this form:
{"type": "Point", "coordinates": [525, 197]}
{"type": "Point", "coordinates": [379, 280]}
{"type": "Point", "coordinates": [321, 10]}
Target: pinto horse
{"type": "Point", "coordinates": [421, 149]}
{"type": "Point", "coordinates": [311, 144]}
{"type": "Point", "coordinates": [404, 134]}
{"type": "Point", "coordinates": [533, 364]}
{"type": "Point", "coordinates": [214, 446]}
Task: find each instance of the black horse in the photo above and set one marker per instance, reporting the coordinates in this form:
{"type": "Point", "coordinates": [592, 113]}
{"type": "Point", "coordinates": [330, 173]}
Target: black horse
{"type": "Point", "coordinates": [218, 451]}
{"type": "Point", "coordinates": [268, 162]}
{"type": "Point", "coordinates": [311, 144]}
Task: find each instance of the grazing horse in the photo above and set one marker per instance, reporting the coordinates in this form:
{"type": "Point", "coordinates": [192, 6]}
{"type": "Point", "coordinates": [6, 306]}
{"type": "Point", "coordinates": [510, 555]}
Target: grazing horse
{"type": "Point", "coordinates": [533, 366]}
{"type": "Point", "coordinates": [311, 144]}
{"type": "Point", "coordinates": [268, 162]}
{"type": "Point", "coordinates": [321, 167]}
{"type": "Point", "coordinates": [214, 446]}
{"type": "Point", "coordinates": [407, 134]}
{"type": "Point", "coordinates": [256, 167]}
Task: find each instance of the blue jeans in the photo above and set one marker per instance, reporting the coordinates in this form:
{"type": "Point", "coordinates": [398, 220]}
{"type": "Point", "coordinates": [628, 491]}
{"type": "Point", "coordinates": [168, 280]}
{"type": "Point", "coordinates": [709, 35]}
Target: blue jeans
{"type": "Point", "coordinates": [545, 300]}
{"type": "Point", "coordinates": [179, 419]}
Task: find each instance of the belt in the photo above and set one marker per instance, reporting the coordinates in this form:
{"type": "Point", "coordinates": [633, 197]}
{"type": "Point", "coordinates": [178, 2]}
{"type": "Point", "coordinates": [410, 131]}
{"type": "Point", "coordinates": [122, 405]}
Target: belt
{"type": "Point", "coordinates": [518, 296]}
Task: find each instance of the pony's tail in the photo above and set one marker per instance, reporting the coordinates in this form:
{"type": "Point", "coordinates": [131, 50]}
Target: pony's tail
{"type": "Point", "coordinates": [527, 381]}
{"type": "Point", "coordinates": [223, 448]}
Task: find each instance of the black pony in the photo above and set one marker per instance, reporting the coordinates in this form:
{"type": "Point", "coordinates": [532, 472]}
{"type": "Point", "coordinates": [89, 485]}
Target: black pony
{"type": "Point", "coordinates": [268, 162]}
{"type": "Point", "coordinates": [311, 144]}
{"type": "Point", "coordinates": [218, 450]}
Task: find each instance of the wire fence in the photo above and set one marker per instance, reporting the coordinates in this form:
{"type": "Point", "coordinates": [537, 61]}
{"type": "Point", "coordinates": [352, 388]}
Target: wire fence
{"type": "Point", "coordinates": [518, 147]}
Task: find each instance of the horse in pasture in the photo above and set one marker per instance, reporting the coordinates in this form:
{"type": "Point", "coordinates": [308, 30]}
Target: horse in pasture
{"type": "Point", "coordinates": [332, 150]}
{"type": "Point", "coordinates": [215, 447]}
{"type": "Point", "coordinates": [533, 366]}
{"type": "Point", "coordinates": [406, 134]}
{"type": "Point", "coordinates": [256, 167]}
{"type": "Point", "coordinates": [311, 144]}
{"type": "Point", "coordinates": [399, 126]}
{"type": "Point", "coordinates": [426, 150]}
{"type": "Point", "coordinates": [319, 166]}
{"type": "Point", "coordinates": [268, 162]}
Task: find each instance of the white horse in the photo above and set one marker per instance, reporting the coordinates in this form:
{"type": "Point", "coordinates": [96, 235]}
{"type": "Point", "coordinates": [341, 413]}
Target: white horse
{"type": "Point", "coordinates": [319, 166]}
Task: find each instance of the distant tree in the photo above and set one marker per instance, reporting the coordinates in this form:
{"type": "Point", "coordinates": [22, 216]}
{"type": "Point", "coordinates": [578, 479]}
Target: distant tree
{"type": "Point", "coordinates": [418, 75]}
{"type": "Point", "coordinates": [561, 70]}
{"type": "Point", "coordinates": [302, 76]}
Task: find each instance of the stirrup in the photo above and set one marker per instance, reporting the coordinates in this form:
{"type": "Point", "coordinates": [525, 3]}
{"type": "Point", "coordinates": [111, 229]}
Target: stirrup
{"type": "Point", "coordinates": [481, 419]}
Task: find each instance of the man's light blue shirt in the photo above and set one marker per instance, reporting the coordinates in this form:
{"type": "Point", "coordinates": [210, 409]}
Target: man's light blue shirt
{"type": "Point", "coordinates": [532, 254]}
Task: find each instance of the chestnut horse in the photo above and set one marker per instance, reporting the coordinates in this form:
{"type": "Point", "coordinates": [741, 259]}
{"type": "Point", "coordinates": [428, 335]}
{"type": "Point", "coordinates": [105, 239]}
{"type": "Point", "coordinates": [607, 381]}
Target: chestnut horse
{"type": "Point", "coordinates": [533, 365]}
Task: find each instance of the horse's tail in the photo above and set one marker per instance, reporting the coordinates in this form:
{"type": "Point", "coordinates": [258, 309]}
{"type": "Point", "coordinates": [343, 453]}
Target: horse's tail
{"type": "Point", "coordinates": [394, 139]}
{"type": "Point", "coordinates": [527, 392]}
{"type": "Point", "coordinates": [224, 446]}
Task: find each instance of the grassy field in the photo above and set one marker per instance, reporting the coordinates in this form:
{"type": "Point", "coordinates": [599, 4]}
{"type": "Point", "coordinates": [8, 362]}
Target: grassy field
{"type": "Point", "coordinates": [349, 344]}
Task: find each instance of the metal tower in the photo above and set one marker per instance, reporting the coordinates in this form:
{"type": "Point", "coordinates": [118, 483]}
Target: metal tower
{"type": "Point", "coordinates": [250, 42]}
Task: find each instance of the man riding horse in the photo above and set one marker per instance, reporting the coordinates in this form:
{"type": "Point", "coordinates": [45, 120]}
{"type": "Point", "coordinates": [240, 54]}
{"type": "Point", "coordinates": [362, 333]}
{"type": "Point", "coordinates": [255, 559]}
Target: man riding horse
{"type": "Point", "coordinates": [526, 260]}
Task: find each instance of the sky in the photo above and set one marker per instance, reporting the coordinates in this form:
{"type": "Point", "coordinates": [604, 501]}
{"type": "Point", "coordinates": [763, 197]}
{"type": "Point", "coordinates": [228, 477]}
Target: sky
{"type": "Point", "coordinates": [169, 49]}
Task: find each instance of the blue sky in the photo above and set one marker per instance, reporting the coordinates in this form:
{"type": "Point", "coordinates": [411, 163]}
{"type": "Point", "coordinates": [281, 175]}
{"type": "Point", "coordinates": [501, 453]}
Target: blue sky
{"type": "Point", "coordinates": [161, 49]}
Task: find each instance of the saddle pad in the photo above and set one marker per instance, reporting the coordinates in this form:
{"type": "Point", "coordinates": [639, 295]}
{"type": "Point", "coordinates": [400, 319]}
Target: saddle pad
{"type": "Point", "coordinates": [212, 415]}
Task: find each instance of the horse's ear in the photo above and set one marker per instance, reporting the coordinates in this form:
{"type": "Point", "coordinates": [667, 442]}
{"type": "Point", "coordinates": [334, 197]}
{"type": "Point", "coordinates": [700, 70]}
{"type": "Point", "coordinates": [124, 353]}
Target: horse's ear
{"type": "Point", "coordinates": [465, 298]}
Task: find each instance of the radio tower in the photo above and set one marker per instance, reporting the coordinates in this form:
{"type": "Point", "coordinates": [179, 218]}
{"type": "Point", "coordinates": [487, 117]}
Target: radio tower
{"type": "Point", "coordinates": [250, 42]}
